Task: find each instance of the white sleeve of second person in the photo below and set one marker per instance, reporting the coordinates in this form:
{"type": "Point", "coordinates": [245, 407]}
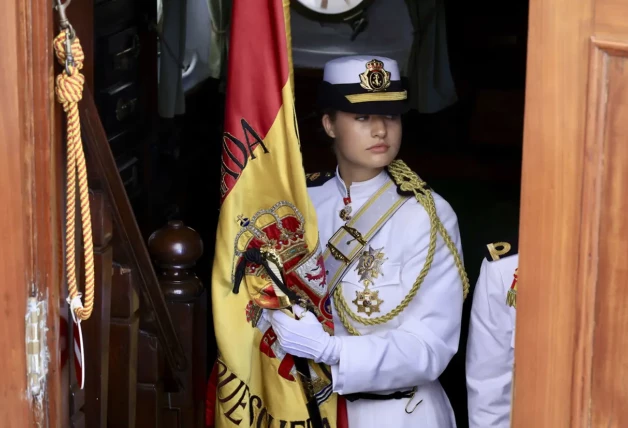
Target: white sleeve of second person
{"type": "Point", "coordinates": [489, 355]}
{"type": "Point", "coordinates": [419, 350]}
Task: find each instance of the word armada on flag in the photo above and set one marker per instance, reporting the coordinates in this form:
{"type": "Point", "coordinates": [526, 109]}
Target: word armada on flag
{"type": "Point", "coordinates": [268, 256]}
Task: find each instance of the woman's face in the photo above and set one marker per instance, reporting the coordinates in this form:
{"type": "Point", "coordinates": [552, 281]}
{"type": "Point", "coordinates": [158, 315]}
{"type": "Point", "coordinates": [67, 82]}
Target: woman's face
{"type": "Point", "coordinates": [366, 141]}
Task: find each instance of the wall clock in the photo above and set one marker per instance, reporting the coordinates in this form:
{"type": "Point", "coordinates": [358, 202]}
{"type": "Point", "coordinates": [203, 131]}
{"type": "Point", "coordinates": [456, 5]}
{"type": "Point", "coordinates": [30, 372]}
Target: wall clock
{"type": "Point", "coordinates": [331, 10]}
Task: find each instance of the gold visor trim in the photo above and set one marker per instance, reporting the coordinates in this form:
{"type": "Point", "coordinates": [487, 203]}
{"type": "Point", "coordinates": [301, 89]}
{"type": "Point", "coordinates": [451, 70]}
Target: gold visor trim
{"type": "Point", "coordinates": [377, 96]}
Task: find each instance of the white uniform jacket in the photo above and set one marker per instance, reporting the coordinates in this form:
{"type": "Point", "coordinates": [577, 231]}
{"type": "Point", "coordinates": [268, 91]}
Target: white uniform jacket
{"type": "Point", "coordinates": [491, 346]}
{"type": "Point", "coordinates": [413, 349]}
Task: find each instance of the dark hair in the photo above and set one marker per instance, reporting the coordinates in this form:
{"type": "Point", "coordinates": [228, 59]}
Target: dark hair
{"type": "Point", "coordinates": [329, 112]}
{"type": "Point", "coordinates": [332, 115]}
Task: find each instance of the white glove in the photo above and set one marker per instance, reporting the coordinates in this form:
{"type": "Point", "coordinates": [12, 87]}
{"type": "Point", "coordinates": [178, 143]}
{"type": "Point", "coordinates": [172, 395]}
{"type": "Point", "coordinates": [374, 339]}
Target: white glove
{"type": "Point", "coordinates": [305, 337]}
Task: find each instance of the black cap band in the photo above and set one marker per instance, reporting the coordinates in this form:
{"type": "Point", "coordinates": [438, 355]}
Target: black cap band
{"type": "Point", "coordinates": [353, 98]}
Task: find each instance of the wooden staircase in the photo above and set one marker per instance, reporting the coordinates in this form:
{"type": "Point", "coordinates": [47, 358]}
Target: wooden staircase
{"type": "Point", "coordinates": [145, 343]}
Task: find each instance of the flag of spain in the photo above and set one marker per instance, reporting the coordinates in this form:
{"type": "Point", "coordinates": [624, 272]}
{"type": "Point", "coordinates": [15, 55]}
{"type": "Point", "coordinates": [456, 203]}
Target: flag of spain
{"type": "Point", "coordinates": [267, 231]}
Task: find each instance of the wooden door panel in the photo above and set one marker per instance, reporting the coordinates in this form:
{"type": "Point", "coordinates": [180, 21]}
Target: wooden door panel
{"type": "Point", "coordinates": [571, 360]}
{"type": "Point", "coordinates": [551, 199]}
{"type": "Point", "coordinates": [609, 393]}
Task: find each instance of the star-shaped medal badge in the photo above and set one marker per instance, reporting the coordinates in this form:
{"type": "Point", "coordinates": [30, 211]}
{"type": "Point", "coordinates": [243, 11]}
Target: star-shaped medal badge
{"type": "Point", "coordinates": [370, 265]}
{"type": "Point", "coordinates": [369, 268]}
{"type": "Point", "coordinates": [367, 301]}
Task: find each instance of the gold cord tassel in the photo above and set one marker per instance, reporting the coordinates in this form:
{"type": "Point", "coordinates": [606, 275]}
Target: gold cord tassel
{"type": "Point", "coordinates": [69, 90]}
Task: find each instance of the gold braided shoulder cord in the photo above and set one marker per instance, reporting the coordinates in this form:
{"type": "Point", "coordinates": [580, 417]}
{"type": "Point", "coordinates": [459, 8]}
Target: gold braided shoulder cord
{"type": "Point", "coordinates": [408, 181]}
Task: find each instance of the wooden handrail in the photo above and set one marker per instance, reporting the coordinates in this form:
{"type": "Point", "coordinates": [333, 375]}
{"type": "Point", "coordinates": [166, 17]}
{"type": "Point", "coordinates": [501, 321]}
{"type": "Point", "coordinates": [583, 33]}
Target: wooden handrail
{"type": "Point", "coordinates": [102, 167]}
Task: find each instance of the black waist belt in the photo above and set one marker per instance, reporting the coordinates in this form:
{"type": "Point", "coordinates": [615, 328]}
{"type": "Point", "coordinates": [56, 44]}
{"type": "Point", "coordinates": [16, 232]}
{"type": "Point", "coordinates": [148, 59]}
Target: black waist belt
{"type": "Point", "coordinates": [397, 395]}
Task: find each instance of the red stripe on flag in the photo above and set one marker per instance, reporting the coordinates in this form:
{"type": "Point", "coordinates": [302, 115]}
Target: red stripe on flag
{"type": "Point", "coordinates": [257, 72]}
{"type": "Point", "coordinates": [342, 418]}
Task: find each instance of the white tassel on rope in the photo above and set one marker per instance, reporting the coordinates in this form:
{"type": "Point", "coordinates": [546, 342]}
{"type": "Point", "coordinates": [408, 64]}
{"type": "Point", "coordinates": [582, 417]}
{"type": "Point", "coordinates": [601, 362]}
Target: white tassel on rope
{"type": "Point", "coordinates": [77, 340]}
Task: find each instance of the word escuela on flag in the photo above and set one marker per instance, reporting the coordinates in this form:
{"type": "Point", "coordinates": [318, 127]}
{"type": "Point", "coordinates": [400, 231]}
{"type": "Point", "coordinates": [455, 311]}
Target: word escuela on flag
{"type": "Point", "coordinates": [267, 251]}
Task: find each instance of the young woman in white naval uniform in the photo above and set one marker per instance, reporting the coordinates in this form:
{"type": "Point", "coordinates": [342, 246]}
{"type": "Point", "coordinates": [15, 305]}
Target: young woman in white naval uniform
{"type": "Point", "coordinates": [397, 309]}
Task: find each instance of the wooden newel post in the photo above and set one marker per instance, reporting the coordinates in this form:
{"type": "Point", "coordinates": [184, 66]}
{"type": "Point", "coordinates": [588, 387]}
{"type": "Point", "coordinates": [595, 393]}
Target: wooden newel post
{"type": "Point", "coordinates": [175, 249]}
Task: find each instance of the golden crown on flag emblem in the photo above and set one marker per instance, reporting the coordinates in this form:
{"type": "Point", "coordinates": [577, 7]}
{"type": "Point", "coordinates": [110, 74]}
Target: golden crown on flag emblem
{"type": "Point", "coordinates": [279, 235]}
{"type": "Point", "coordinates": [278, 230]}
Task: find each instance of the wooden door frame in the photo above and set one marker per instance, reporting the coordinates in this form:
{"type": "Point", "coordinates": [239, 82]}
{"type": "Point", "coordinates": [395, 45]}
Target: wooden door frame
{"type": "Point", "coordinates": [31, 164]}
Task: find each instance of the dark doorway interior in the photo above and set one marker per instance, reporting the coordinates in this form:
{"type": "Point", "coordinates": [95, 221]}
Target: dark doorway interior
{"type": "Point", "coordinates": [469, 153]}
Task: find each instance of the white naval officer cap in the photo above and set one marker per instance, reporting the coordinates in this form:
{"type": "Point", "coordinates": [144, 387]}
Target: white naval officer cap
{"type": "Point", "coordinates": [363, 84]}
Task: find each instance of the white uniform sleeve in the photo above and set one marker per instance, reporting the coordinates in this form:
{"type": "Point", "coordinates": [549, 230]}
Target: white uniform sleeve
{"type": "Point", "coordinates": [489, 353]}
{"type": "Point", "coordinates": [417, 351]}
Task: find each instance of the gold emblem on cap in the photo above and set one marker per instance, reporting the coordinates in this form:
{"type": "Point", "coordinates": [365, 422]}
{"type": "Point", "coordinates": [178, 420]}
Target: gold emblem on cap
{"type": "Point", "coordinates": [375, 78]}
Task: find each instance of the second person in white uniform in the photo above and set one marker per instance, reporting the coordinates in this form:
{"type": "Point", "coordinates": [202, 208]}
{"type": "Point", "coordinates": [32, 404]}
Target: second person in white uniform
{"type": "Point", "coordinates": [491, 343]}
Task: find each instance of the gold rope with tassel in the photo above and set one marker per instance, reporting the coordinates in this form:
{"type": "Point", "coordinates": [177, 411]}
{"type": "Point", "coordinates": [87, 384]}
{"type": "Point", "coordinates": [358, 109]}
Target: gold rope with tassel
{"type": "Point", "coordinates": [407, 181]}
{"type": "Point", "coordinates": [69, 90]}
